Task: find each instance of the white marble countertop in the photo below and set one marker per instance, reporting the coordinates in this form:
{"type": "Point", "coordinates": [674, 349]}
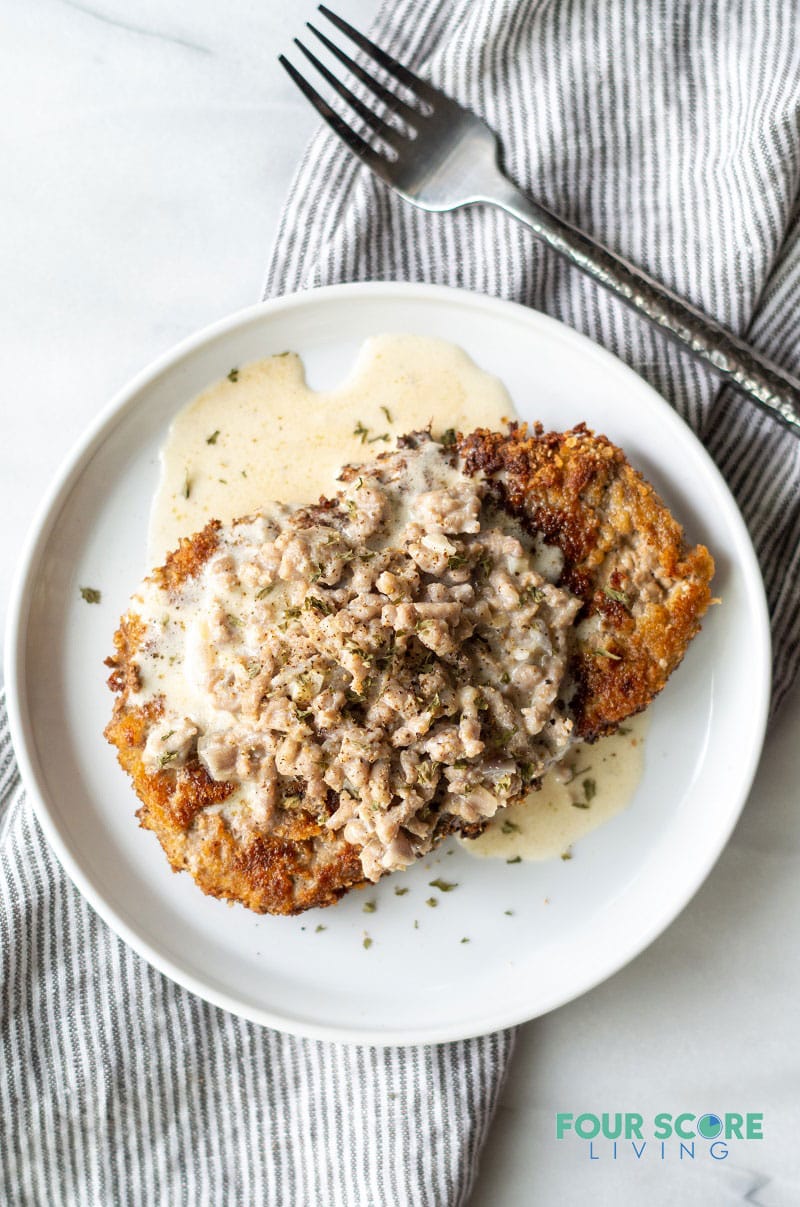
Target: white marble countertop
{"type": "Point", "coordinates": [149, 149]}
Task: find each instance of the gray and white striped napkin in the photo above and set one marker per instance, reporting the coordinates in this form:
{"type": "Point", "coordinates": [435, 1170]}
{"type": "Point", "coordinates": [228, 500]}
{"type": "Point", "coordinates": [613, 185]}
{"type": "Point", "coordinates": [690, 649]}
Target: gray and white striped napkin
{"type": "Point", "coordinates": [672, 133]}
{"type": "Point", "coordinates": [120, 1089]}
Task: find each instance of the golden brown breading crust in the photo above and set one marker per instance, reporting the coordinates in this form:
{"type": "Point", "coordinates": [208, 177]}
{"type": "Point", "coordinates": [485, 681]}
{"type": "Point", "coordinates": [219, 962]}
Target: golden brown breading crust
{"type": "Point", "coordinates": [576, 490]}
{"type": "Point", "coordinates": [644, 589]}
{"type": "Point", "coordinates": [294, 867]}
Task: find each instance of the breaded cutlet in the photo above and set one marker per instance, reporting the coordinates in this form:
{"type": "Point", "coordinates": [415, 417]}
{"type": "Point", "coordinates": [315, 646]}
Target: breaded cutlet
{"type": "Point", "coordinates": [638, 593]}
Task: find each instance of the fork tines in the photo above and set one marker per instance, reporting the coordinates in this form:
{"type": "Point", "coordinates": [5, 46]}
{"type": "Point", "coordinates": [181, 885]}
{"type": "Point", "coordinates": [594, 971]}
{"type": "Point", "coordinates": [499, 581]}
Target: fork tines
{"type": "Point", "coordinates": [381, 127]}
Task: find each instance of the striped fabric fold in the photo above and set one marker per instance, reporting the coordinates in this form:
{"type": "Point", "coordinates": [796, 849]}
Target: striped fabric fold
{"type": "Point", "coordinates": [671, 131]}
{"type": "Point", "coordinates": [119, 1087]}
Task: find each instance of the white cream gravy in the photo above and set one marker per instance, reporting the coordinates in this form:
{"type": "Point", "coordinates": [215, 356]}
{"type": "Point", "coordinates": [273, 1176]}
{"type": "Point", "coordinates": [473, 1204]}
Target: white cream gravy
{"type": "Point", "coordinates": [266, 435]}
{"type": "Point", "coordinates": [591, 785]}
{"type": "Point", "coordinates": [262, 434]}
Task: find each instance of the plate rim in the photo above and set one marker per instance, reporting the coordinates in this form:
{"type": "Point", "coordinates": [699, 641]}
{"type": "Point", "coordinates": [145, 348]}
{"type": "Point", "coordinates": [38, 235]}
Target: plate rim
{"type": "Point", "coordinates": [21, 725]}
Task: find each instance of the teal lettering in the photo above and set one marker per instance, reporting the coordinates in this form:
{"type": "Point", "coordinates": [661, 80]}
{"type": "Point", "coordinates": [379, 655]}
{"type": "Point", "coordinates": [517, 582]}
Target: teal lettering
{"type": "Point", "coordinates": [663, 1126]}
{"type": "Point", "coordinates": [633, 1127]}
{"type": "Point", "coordinates": [754, 1126]}
{"type": "Point", "coordinates": [563, 1122]}
{"type": "Point", "coordinates": [679, 1129]}
{"type": "Point", "coordinates": [733, 1127]}
{"type": "Point", "coordinates": [587, 1126]}
{"type": "Point", "coordinates": [612, 1132]}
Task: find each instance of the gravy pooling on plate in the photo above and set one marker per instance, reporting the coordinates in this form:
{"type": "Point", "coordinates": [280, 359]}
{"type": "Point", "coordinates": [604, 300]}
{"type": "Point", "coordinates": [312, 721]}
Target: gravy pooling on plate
{"type": "Point", "coordinates": [262, 433]}
{"type": "Point", "coordinates": [591, 785]}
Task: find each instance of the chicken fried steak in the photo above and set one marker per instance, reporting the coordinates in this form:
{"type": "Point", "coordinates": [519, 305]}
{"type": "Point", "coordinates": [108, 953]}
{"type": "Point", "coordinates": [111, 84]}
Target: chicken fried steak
{"type": "Point", "coordinates": [643, 590]}
{"type": "Point", "coordinates": [309, 698]}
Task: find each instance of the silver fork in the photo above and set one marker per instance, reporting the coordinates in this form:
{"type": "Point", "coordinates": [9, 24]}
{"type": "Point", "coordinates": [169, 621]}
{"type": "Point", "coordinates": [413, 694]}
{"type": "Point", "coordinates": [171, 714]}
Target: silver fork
{"type": "Point", "coordinates": [440, 156]}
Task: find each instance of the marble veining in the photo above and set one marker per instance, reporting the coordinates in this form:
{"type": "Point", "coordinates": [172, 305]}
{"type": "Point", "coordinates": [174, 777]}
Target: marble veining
{"type": "Point", "coordinates": [130, 28]}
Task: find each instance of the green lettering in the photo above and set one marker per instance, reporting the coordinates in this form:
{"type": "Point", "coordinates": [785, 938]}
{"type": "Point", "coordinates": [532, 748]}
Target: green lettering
{"type": "Point", "coordinates": [563, 1122]}
{"type": "Point", "coordinates": [733, 1127]}
{"type": "Point", "coordinates": [587, 1126]}
{"type": "Point", "coordinates": [633, 1127]}
{"type": "Point", "coordinates": [754, 1126]}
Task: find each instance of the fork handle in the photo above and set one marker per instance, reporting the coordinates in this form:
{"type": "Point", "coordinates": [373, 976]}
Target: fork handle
{"type": "Point", "coordinates": [752, 374]}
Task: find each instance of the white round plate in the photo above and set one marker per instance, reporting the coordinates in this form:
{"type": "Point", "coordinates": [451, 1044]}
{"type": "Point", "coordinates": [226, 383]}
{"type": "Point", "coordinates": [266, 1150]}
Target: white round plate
{"type": "Point", "coordinates": [539, 933]}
